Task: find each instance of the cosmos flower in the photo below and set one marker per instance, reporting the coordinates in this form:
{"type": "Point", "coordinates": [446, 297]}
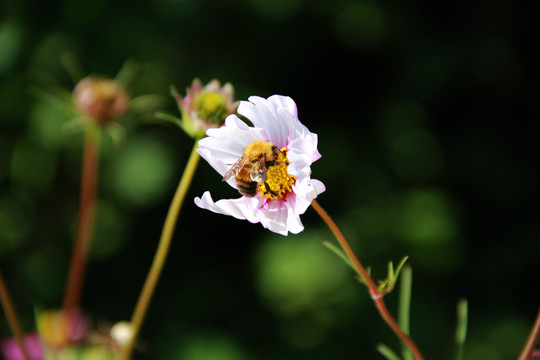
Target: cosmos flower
{"type": "Point", "coordinates": [10, 350]}
{"type": "Point", "coordinates": [286, 190]}
{"type": "Point", "coordinates": [61, 328]}
{"type": "Point", "coordinates": [205, 107]}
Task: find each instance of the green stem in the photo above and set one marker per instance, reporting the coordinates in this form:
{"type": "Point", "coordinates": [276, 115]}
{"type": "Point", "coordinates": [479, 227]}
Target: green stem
{"type": "Point", "coordinates": [85, 225]}
{"type": "Point", "coordinates": [374, 292]}
{"type": "Point", "coordinates": [405, 290]}
{"type": "Point", "coordinates": [461, 328]}
{"type": "Point", "coordinates": [161, 252]}
{"type": "Point", "coordinates": [11, 315]}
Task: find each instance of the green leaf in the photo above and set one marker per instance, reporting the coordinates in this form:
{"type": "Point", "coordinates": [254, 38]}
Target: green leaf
{"type": "Point", "coordinates": [388, 284]}
{"type": "Point", "coordinates": [168, 118]}
{"type": "Point", "coordinates": [461, 328]}
{"type": "Point", "coordinates": [340, 254]}
{"type": "Point", "coordinates": [127, 72]}
{"type": "Point", "coordinates": [405, 305]}
{"type": "Point", "coordinates": [55, 97]}
{"type": "Point", "coordinates": [387, 352]}
{"type": "Point", "coordinates": [395, 274]}
{"type": "Point", "coordinates": [391, 271]}
{"type": "Point", "coordinates": [147, 102]}
{"type": "Point", "coordinates": [116, 132]}
{"type": "Point", "coordinates": [73, 66]}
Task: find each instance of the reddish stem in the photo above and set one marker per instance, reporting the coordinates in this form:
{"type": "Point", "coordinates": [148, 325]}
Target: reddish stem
{"type": "Point", "coordinates": [374, 292]}
{"type": "Point", "coordinates": [85, 225]}
{"type": "Point", "coordinates": [528, 351]}
{"type": "Point", "coordinates": [7, 304]}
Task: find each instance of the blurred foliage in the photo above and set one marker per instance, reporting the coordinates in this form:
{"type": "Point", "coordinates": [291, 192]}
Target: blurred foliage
{"type": "Point", "coordinates": [426, 152]}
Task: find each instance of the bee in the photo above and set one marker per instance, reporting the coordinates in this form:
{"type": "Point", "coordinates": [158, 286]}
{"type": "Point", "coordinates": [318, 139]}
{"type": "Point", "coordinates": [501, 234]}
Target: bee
{"type": "Point", "coordinates": [250, 170]}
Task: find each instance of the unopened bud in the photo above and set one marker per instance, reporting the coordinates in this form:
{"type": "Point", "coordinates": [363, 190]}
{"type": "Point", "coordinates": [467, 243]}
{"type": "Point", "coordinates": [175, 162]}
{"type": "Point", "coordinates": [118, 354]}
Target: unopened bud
{"type": "Point", "coordinates": [205, 107]}
{"type": "Point", "coordinates": [102, 99]}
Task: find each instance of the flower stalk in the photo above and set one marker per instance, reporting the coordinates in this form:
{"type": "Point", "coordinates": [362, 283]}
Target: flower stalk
{"type": "Point", "coordinates": [161, 252]}
{"type": "Point", "coordinates": [532, 340]}
{"type": "Point", "coordinates": [11, 316]}
{"type": "Point", "coordinates": [373, 290]}
{"type": "Point", "coordinates": [85, 225]}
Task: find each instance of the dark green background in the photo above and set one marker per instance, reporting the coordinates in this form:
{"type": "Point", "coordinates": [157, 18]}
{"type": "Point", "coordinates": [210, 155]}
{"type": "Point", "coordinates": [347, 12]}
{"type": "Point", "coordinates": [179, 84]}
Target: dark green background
{"type": "Point", "coordinates": [424, 112]}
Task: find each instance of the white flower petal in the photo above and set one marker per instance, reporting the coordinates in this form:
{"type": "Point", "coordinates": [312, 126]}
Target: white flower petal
{"type": "Point", "coordinates": [317, 187]}
{"type": "Point", "coordinates": [284, 101]}
{"type": "Point", "coordinates": [241, 208]}
{"type": "Point", "coordinates": [294, 225]}
{"type": "Point", "coordinates": [305, 192]}
{"type": "Point", "coordinates": [275, 119]}
{"type": "Point", "coordinates": [274, 217]}
{"type": "Point", "coordinates": [263, 114]}
{"type": "Point", "coordinates": [224, 146]}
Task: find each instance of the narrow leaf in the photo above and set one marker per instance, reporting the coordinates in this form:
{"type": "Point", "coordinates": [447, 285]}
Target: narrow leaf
{"type": "Point", "coordinates": [168, 118]}
{"type": "Point", "coordinates": [127, 72]}
{"type": "Point", "coordinates": [405, 291]}
{"type": "Point", "coordinates": [73, 66]}
{"type": "Point", "coordinates": [340, 254]}
{"type": "Point", "coordinates": [400, 265]}
{"type": "Point", "coordinates": [146, 102]}
{"type": "Point", "coordinates": [461, 328]}
{"type": "Point", "coordinates": [387, 352]}
{"type": "Point", "coordinates": [391, 277]}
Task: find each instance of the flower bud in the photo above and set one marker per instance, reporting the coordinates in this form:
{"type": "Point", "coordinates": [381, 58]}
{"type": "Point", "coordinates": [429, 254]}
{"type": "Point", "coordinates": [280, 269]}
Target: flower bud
{"type": "Point", "coordinates": [205, 107]}
{"type": "Point", "coordinates": [100, 98]}
{"type": "Point", "coordinates": [61, 328]}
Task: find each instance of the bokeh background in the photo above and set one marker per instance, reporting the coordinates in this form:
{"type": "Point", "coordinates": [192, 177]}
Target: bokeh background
{"type": "Point", "coordinates": [425, 119]}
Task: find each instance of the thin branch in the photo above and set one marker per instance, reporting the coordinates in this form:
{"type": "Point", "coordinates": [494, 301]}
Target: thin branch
{"type": "Point", "coordinates": [12, 318]}
{"type": "Point", "coordinates": [374, 292]}
{"type": "Point", "coordinates": [161, 253]}
{"type": "Point", "coordinates": [85, 225]}
{"type": "Point", "coordinates": [532, 340]}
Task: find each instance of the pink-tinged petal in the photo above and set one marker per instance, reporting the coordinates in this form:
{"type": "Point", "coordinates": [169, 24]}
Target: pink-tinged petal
{"type": "Point", "coordinates": [316, 188]}
{"type": "Point", "coordinates": [264, 115]}
{"type": "Point", "coordinates": [242, 208]}
{"type": "Point", "coordinates": [306, 144]}
{"type": "Point", "coordinates": [196, 85]}
{"type": "Point", "coordinates": [284, 101]}
{"type": "Point", "coordinates": [10, 350]}
{"type": "Point", "coordinates": [213, 86]}
{"type": "Point", "coordinates": [274, 217]}
{"type": "Point", "coordinates": [294, 225]}
{"type": "Point", "coordinates": [306, 191]}
{"type": "Point", "coordinates": [300, 163]}
{"type": "Point", "coordinates": [286, 108]}
{"type": "Point", "coordinates": [205, 107]}
{"type": "Point", "coordinates": [228, 92]}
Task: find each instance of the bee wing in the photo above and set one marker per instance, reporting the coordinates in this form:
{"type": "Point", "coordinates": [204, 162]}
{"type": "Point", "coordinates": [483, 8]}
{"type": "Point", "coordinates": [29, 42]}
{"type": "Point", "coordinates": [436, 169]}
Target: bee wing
{"type": "Point", "coordinates": [234, 169]}
{"type": "Point", "coordinates": [258, 171]}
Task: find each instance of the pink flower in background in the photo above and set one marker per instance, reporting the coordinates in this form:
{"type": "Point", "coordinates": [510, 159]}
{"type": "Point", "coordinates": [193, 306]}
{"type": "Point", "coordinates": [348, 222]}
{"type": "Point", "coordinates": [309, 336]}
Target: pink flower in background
{"type": "Point", "coordinates": [205, 107]}
{"type": "Point", "coordinates": [10, 350]}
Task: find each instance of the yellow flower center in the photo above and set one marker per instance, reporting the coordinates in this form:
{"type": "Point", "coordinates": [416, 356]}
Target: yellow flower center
{"type": "Point", "coordinates": [278, 181]}
{"type": "Point", "coordinates": [211, 107]}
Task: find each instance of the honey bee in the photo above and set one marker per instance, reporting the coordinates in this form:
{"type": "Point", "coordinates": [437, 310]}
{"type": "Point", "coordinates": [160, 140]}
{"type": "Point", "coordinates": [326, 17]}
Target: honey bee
{"type": "Point", "coordinates": [250, 170]}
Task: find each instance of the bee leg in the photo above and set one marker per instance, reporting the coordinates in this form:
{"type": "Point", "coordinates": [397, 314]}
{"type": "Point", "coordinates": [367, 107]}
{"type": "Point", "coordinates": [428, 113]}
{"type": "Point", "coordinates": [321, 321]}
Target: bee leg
{"type": "Point", "coordinates": [270, 190]}
{"type": "Point", "coordinates": [275, 152]}
{"type": "Point", "coordinates": [272, 163]}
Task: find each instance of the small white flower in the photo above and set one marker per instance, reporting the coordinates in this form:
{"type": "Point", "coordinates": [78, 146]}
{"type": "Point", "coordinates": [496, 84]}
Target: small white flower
{"type": "Point", "coordinates": [277, 206]}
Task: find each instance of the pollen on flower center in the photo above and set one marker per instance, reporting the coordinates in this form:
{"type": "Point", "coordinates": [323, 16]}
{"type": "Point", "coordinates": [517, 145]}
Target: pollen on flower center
{"type": "Point", "coordinates": [211, 106]}
{"type": "Point", "coordinates": [278, 181]}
